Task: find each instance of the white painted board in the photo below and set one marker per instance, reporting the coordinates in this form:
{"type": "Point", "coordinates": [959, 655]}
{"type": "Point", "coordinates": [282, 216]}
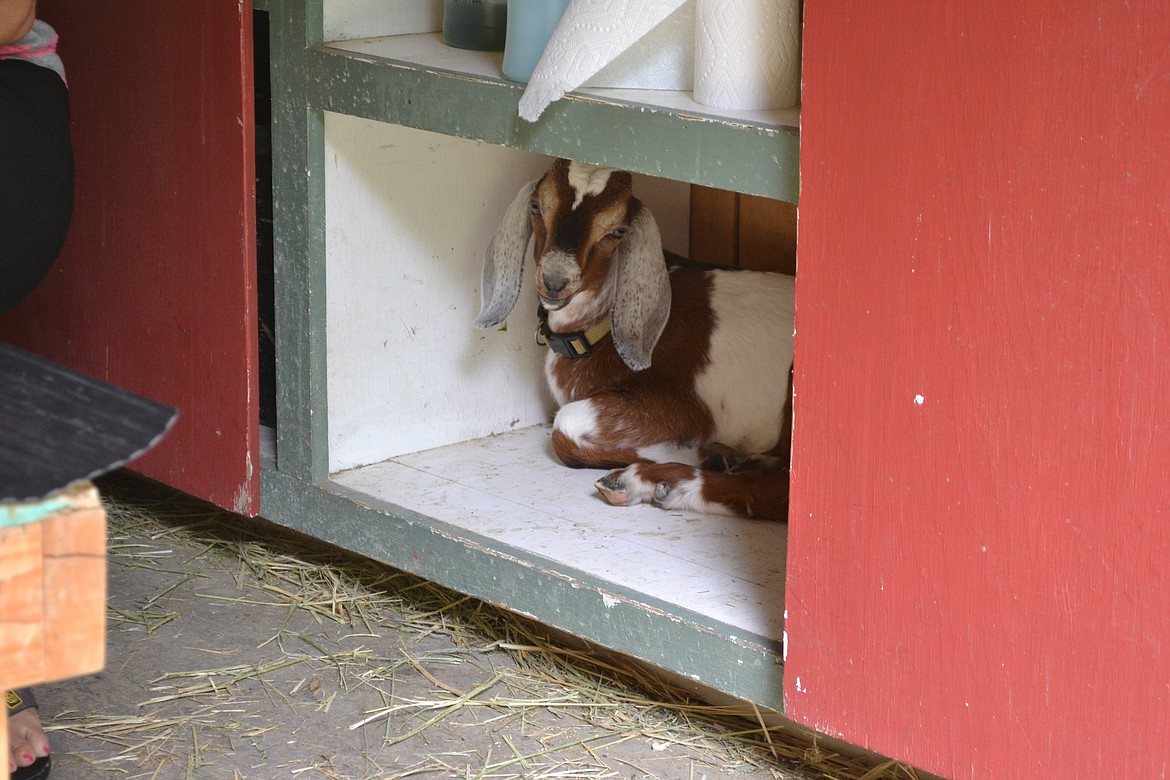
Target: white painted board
{"type": "Point", "coordinates": [409, 214]}
{"type": "Point", "coordinates": [346, 19]}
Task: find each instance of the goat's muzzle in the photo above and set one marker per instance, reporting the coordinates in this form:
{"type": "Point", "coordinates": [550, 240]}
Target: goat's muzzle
{"type": "Point", "coordinates": [557, 281]}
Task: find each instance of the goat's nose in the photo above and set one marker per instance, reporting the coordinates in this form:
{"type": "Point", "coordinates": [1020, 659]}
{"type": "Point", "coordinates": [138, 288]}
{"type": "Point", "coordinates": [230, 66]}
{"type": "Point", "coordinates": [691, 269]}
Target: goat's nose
{"type": "Point", "coordinates": [554, 283]}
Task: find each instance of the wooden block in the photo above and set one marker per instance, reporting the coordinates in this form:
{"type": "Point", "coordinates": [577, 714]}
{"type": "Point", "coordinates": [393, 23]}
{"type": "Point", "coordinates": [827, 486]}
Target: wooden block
{"type": "Point", "coordinates": [21, 599]}
{"type": "Point", "coordinates": [52, 588]}
{"type": "Point", "coordinates": [75, 590]}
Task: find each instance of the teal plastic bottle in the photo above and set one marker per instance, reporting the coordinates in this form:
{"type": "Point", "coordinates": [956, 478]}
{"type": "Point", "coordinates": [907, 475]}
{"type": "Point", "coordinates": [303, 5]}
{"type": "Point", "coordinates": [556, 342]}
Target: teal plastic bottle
{"type": "Point", "coordinates": [530, 25]}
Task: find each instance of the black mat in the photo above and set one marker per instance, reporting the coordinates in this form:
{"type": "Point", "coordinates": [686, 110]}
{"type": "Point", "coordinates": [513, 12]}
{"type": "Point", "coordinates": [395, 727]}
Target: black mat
{"type": "Point", "coordinates": [58, 427]}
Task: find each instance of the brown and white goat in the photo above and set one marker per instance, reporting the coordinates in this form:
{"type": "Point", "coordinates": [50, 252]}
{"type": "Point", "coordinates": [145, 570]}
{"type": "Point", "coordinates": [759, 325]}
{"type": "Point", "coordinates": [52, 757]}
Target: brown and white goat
{"type": "Point", "coordinates": [703, 427]}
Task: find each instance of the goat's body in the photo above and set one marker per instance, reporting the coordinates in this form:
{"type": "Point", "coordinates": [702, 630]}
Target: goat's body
{"type": "Point", "coordinates": [718, 373]}
{"type": "Point", "coordinates": [718, 377]}
{"type": "Point", "coordinates": [689, 395]}
{"type": "Point", "coordinates": [751, 355]}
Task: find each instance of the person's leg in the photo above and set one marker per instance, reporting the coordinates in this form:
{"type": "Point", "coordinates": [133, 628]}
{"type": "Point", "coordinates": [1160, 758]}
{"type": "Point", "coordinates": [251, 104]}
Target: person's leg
{"type": "Point", "coordinates": [36, 176]}
{"type": "Point", "coordinates": [27, 743]}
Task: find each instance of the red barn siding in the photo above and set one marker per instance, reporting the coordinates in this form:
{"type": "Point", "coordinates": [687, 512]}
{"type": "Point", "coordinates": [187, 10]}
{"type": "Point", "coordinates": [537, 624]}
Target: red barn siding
{"type": "Point", "coordinates": [155, 290]}
{"type": "Point", "coordinates": [980, 525]}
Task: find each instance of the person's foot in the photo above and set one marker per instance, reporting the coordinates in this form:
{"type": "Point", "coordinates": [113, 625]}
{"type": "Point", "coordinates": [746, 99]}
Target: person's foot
{"type": "Point", "coordinates": [27, 742]}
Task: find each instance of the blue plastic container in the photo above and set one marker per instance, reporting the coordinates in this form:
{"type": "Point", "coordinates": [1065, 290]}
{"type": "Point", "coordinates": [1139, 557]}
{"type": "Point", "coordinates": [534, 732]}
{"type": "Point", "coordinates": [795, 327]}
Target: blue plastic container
{"type": "Point", "coordinates": [530, 25]}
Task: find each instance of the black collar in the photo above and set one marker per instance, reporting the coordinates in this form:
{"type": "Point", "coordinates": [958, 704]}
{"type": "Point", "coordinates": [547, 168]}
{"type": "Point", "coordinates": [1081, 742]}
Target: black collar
{"type": "Point", "coordinates": [571, 345]}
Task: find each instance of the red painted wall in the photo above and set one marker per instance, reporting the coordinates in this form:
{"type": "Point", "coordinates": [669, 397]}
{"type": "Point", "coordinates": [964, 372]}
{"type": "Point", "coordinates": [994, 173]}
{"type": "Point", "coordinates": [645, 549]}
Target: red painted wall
{"type": "Point", "coordinates": [155, 289]}
{"type": "Point", "coordinates": [979, 565]}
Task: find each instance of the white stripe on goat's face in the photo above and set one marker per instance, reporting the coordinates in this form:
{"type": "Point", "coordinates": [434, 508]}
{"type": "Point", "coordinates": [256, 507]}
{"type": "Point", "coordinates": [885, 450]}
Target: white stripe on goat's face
{"type": "Point", "coordinates": [586, 179]}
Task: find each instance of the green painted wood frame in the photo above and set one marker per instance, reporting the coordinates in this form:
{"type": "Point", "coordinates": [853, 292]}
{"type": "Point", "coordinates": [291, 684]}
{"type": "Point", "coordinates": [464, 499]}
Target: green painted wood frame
{"type": "Point", "coordinates": [309, 79]}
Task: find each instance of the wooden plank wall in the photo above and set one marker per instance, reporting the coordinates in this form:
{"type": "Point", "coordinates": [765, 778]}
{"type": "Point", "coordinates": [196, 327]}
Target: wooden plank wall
{"type": "Point", "coordinates": [155, 288]}
{"type": "Point", "coordinates": [742, 231]}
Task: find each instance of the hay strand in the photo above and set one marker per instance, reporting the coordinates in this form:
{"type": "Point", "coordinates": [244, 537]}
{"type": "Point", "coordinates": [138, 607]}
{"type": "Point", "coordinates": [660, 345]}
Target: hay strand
{"type": "Point", "coordinates": [597, 700]}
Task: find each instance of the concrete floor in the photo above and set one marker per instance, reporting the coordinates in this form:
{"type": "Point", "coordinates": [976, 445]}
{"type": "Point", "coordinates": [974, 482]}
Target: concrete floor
{"type": "Point", "coordinates": [236, 650]}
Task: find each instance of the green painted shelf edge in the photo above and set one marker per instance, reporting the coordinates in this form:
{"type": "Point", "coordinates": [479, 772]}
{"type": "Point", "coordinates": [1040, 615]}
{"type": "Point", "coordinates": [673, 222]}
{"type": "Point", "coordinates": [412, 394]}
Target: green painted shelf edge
{"type": "Point", "coordinates": [668, 637]}
{"type": "Point", "coordinates": [743, 157]}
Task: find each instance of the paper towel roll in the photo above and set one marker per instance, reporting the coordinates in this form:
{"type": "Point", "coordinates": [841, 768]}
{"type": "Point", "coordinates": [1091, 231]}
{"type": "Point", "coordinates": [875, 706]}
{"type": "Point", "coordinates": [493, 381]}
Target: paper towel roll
{"type": "Point", "coordinates": [664, 58]}
{"type": "Point", "coordinates": [590, 35]}
{"type": "Point", "coordinates": [747, 53]}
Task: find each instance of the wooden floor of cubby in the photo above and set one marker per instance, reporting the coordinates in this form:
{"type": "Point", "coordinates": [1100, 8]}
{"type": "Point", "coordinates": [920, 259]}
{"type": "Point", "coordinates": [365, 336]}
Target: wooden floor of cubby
{"type": "Point", "coordinates": [511, 489]}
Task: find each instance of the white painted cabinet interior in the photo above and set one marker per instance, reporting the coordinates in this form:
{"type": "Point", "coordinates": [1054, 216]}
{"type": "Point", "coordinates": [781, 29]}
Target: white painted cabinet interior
{"type": "Point", "coordinates": [409, 214]}
{"type": "Point", "coordinates": [428, 413]}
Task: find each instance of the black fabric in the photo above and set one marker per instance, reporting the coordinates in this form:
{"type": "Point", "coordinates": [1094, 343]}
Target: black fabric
{"type": "Point", "coordinates": [570, 345]}
{"type": "Point", "coordinates": [36, 176]}
{"type": "Point", "coordinates": [60, 427]}
{"type": "Point", "coordinates": [19, 699]}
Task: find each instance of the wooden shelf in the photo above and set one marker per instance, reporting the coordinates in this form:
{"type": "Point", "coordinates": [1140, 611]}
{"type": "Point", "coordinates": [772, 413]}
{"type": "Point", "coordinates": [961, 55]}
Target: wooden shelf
{"type": "Point", "coordinates": [417, 81]}
{"type": "Point", "coordinates": [509, 489]}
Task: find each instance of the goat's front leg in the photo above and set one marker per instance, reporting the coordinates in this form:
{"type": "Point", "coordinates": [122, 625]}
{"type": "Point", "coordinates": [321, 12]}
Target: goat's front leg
{"type": "Point", "coordinates": [759, 494]}
{"type": "Point", "coordinates": [615, 429]}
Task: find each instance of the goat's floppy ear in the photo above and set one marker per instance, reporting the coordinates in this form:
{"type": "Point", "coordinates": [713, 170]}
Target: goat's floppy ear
{"type": "Point", "coordinates": [503, 265]}
{"type": "Point", "coordinates": [641, 302]}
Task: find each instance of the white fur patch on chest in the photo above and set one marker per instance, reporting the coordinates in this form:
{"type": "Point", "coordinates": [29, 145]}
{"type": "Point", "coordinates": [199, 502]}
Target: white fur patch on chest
{"type": "Point", "coordinates": [586, 179]}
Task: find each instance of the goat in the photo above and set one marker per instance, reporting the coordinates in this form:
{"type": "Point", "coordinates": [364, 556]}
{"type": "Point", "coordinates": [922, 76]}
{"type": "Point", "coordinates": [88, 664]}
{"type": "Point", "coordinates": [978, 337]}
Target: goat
{"type": "Point", "coordinates": [704, 427]}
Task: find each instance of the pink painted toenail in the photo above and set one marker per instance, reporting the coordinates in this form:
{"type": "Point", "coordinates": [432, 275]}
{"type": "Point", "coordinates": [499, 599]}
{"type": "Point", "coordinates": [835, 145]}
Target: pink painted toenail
{"type": "Point", "coordinates": [45, 750]}
{"type": "Point", "coordinates": [27, 757]}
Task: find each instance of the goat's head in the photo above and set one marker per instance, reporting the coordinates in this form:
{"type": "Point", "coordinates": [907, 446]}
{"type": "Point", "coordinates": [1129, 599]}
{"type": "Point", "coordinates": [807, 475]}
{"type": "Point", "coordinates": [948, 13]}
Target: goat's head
{"type": "Point", "coordinates": [597, 252]}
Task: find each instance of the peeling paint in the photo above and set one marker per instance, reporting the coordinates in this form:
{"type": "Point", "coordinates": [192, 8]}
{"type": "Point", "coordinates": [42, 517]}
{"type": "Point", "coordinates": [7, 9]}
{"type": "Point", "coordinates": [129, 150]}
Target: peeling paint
{"type": "Point", "coordinates": [607, 597]}
{"type": "Point", "coordinates": [242, 500]}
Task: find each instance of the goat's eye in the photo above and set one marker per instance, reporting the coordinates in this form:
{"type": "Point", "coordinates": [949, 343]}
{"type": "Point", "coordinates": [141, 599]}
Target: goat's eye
{"type": "Point", "coordinates": [618, 232]}
{"type": "Point", "coordinates": [534, 207]}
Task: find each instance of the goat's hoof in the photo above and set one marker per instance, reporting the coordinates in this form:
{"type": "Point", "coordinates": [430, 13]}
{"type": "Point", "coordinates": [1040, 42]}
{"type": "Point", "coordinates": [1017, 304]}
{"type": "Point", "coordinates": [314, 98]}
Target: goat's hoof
{"type": "Point", "coordinates": [662, 492]}
{"type": "Point", "coordinates": [613, 489]}
{"type": "Point", "coordinates": [721, 458]}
